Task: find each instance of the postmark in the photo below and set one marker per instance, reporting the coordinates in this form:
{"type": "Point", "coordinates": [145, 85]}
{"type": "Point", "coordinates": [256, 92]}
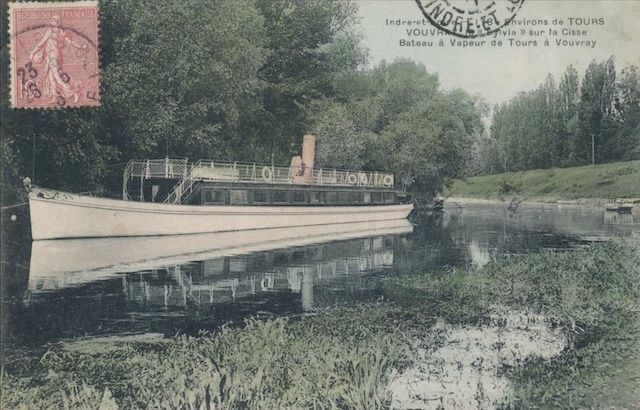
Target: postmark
{"type": "Point", "coordinates": [470, 18]}
{"type": "Point", "coordinates": [54, 54]}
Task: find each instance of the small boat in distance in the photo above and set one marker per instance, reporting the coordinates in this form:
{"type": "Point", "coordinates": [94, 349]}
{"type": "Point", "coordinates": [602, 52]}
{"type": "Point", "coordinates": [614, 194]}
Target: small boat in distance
{"type": "Point", "coordinates": [175, 197]}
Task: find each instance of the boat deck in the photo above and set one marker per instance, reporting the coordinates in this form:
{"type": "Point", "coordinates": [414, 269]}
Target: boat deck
{"type": "Point", "coordinates": [187, 175]}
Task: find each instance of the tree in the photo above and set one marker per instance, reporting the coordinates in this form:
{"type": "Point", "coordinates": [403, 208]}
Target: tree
{"type": "Point", "coordinates": [555, 125]}
{"type": "Point", "coordinates": [339, 144]}
{"type": "Point", "coordinates": [429, 144]}
{"type": "Point", "coordinates": [569, 98]}
{"type": "Point", "coordinates": [178, 79]}
{"type": "Point", "coordinates": [596, 122]}
{"type": "Point", "coordinates": [311, 45]}
{"type": "Point", "coordinates": [626, 144]}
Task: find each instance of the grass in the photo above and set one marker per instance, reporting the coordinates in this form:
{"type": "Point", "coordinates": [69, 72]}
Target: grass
{"type": "Point", "coordinates": [324, 361]}
{"type": "Point", "coordinates": [607, 181]}
{"type": "Point", "coordinates": [343, 357]}
{"type": "Point", "coordinates": [592, 294]}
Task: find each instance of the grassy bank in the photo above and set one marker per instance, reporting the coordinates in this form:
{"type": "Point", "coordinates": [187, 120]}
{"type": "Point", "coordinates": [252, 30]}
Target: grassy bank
{"type": "Point", "coordinates": [345, 357]}
{"type": "Point", "coordinates": [593, 295]}
{"type": "Point", "coordinates": [608, 181]}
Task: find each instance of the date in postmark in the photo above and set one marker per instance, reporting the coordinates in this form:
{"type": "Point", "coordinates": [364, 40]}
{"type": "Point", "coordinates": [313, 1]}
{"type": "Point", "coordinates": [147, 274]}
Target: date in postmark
{"type": "Point", "coordinates": [470, 18]}
{"type": "Point", "coordinates": [54, 54]}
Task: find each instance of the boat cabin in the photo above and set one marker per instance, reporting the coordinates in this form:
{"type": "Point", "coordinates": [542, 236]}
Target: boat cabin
{"type": "Point", "coordinates": [206, 182]}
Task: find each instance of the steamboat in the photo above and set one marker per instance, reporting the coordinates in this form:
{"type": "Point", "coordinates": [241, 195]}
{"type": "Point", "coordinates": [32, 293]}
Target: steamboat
{"type": "Point", "coordinates": [176, 197]}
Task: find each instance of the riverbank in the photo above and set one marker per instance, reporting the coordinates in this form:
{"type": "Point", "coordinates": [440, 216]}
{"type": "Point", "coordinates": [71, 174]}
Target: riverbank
{"type": "Point", "coordinates": [588, 184]}
{"type": "Point", "coordinates": [583, 304]}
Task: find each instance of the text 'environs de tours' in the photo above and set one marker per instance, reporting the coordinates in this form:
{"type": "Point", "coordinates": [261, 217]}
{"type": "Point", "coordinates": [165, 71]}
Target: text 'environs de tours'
{"type": "Point", "coordinates": [568, 29]}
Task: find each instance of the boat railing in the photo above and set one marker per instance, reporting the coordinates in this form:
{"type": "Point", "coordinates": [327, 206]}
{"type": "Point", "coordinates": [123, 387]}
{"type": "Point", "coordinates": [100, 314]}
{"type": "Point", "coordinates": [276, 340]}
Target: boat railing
{"type": "Point", "coordinates": [170, 168]}
{"type": "Point", "coordinates": [207, 170]}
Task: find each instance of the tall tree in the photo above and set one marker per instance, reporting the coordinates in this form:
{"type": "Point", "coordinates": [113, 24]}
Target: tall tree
{"type": "Point", "coordinates": [626, 144]}
{"type": "Point", "coordinates": [311, 43]}
{"type": "Point", "coordinates": [595, 113]}
{"type": "Point", "coordinates": [177, 80]}
{"type": "Point", "coordinates": [569, 97]}
{"type": "Point", "coordinates": [560, 125]}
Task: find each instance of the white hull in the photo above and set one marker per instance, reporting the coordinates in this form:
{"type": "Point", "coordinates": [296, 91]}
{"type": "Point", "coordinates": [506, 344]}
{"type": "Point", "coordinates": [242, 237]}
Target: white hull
{"type": "Point", "coordinates": [57, 215]}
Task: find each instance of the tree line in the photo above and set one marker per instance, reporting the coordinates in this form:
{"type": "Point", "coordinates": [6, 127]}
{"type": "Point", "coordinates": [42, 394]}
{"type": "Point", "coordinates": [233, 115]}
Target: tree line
{"type": "Point", "coordinates": [240, 80]}
{"type": "Point", "coordinates": [244, 80]}
{"type": "Point", "coordinates": [576, 121]}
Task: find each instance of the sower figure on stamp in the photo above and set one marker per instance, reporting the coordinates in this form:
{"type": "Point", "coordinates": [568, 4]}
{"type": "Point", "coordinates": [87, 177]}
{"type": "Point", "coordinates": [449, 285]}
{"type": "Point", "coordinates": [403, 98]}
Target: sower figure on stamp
{"type": "Point", "coordinates": [58, 84]}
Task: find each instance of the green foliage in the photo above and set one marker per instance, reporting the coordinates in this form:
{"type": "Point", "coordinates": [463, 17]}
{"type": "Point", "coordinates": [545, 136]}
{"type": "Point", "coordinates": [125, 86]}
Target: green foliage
{"type": "Point", "coordinates": [182, 76]}
{"type": "Point", "coordinates": [558, 125]}
{"type": "Point", "coordinates": [231, 81]}
{"type": "Point", "coordinates": [592, 294]}
{"type": "Point", "coordinates": [607, 181]}
{"type": "Point", "coordinates": [340, 144]}
{"type": "Point", "coordinates": [318, 362]}
{"type": "Point", "coordinates": [312, 45]}
{"type": "Point", "coordinates": [395, 118]}
{"type": "Point", "coordinates": [243, 81]}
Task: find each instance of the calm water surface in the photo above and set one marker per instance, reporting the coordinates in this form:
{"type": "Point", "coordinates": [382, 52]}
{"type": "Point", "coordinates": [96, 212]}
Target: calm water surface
{"type": "Point", "coordinates": [61, 290]}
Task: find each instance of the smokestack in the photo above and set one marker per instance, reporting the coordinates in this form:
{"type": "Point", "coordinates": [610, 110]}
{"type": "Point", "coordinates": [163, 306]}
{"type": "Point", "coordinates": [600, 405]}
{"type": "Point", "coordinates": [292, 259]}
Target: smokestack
{"type": "Point", "coordinates": [309, 151]}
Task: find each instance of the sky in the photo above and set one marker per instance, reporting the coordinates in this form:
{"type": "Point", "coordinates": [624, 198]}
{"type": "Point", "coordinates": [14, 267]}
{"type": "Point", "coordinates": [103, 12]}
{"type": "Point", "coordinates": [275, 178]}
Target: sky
{"type": "Point", "coordinates": [498, 73]}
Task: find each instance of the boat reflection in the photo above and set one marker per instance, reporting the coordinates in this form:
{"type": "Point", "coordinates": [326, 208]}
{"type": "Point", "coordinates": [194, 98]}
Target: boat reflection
{"type": "Point", "coordinates": [62, 263]}
{"type": "Point", "coordinates": [228, 279]}
{"type": "Point", "coordinates": [615, 218]}
{"type": "Point", "coordinates": [229, 265]}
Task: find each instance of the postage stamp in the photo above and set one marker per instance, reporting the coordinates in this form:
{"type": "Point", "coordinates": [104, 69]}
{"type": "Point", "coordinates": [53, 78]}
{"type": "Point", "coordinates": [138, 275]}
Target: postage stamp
{"type": "Point", "coordinates": [54, 54]}
{"type": "Point", "coordinates": [470, 18]}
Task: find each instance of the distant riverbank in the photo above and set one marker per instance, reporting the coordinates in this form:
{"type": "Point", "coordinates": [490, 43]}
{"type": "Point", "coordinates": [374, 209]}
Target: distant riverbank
{"type": "Point", "coordinates": [582, 185]}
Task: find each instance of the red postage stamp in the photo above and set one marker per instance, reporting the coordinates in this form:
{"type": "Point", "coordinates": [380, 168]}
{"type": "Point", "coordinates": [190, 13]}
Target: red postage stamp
{"type": "Point", "coordinates": [54, 54]}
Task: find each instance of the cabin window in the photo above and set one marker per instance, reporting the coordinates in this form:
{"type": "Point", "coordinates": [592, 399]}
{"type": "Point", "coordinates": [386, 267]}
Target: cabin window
{"type": "Point", "coordinates": [238, 197]}
{"type": "Point", "coordinates": [280, 258]}
{"type": "Point", "coordinates": [260, 197]}
{"type": "Point", "coordinates": [388, 197]}
{"type": "Point", "coordinates": [331, 197]}
{"type": "Point", "coordinates": [315, 197]}
{"type": "Point", "coordinates": [297, 256]}
{"type": "Point", "coordinates": [366, 197]}
{"type": "Point", "coordinates": [376, 197]}
{"type": "Point", "coordinates": [279, 197]}
{"type": "Point", "coordinates": [298, 197]}
{"type": "Point", "coordinates": [214, 196]}
{"type": "Point", "coordinates": [343, 197]}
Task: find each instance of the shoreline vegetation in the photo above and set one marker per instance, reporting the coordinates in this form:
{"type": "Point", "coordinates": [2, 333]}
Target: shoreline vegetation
{"type": "Point", "coordinates": [349, 357]}
{"type": "Point", "coordinates": [281, 69]}
{"type": "Point", "coordinates": [593, 184]}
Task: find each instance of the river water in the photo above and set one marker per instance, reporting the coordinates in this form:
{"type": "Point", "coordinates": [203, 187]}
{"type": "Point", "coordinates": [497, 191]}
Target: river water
{"type": "Point", "coordinates": [64, 290]}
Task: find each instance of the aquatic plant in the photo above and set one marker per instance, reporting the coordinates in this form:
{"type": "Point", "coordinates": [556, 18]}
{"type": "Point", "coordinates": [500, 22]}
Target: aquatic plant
{"type": "Point", "coordinates": [346, 357]}
{"type": "Point", "coordinates": [322, 361]}
{"type": "Point", "coordinates": [591, 294]}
